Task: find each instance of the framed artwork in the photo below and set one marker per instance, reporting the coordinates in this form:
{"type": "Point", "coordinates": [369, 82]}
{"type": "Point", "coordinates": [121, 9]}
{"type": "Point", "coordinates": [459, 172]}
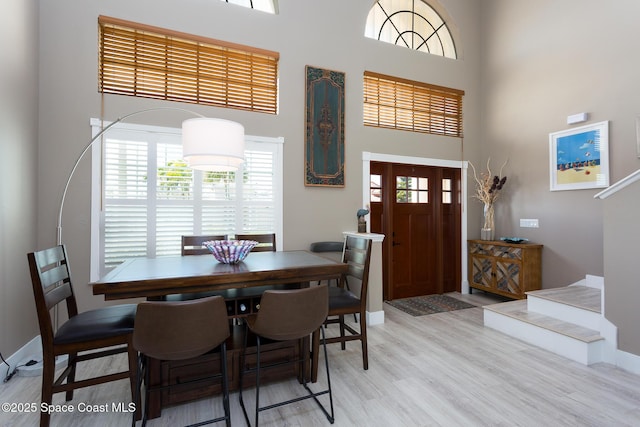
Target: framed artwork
{"type": "Point", "coordinates": [324, 138]}
{"type": "Point", "coordinates": [579, 157]}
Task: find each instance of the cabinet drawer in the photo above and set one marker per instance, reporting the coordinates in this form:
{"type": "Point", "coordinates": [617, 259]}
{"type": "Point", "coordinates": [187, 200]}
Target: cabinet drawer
{"type": "Point", "coordinates": [493, 250]}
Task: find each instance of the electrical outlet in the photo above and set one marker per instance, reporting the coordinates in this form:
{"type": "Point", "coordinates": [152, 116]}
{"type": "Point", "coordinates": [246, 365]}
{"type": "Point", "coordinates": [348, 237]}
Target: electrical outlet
{"type": "Point", "coordinates": [529, 223]}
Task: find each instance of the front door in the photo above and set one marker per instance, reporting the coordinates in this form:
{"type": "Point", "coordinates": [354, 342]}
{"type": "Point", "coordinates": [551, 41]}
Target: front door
{"type": "Point", "coordinates": [418, 208]}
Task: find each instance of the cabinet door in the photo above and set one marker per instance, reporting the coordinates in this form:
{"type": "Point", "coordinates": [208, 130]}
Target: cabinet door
{"type": "Point", "coordinates": [508, 276]}
{"type": "Point", "coordinates": [482, 271]}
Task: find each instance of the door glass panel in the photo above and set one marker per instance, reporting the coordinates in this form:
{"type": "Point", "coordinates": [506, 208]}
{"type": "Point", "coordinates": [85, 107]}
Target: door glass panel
{"type": "Point", "coordinates": [375, 187]}
{"type": "Point", "coordinates": [446, 191]}
{"type": "Point", "coordinates": [412, 189]}
{"type": "Point", "coordinates": [423, 183]}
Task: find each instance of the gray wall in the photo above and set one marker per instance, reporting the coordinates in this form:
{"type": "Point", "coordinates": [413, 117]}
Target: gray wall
{"type": "Point", "coordinates": [532, 64]}
{"type": "Point", "coordinates": [18, 174]}
{"type": "Point", "coordinates": [621, 231]}
{"type": "Point", "coordinates": [541, 62]}
{"type": "Point", "coordinates": [326, 34]}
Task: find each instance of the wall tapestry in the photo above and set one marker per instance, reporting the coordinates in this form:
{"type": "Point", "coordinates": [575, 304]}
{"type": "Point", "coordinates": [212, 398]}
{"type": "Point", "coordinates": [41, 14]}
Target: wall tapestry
{"type": "Point", "coordinates": [324, 139]}
{"type": "Point", "coordinates": [579, 157]}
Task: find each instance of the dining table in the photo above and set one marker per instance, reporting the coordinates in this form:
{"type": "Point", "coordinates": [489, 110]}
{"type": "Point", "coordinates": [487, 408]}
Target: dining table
{"type": "Point", "coordinates": [160, 276]}
{"type": "Point", "coordinates": [156, 277]}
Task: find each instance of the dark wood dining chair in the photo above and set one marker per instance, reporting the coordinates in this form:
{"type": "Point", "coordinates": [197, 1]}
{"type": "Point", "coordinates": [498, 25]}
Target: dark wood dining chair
{"type": "Point", "coordinates": [180, 331]}
{"type": "Point", "coordinates": [342, 301]}
{"type": "Point", "coordinates": [95, 333]}
{"type": "Point", "coordinates": [331, 247]}
{"type": "Point", "coordinates": [266, 242]}
{"type": "Point", "coordinates": [285, 316]}
{"type": "Point", "coordinates": [193, 245]}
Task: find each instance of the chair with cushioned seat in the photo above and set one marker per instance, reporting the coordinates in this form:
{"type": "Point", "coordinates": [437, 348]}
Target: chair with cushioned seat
{"type": "Point", "coordinates": [266, 242]}
{"type": "Point", "coordinates": [192, 245]}
{"type": "Point", "coordinates": [104, 331]}
{"type": "Point", "coordinates": [342, 301]}
{"type": "Point", "coordinates": [331, 247]}
{"type": "Point", "coordinates": [182, 330]}
{"type": "Point", "coordinates": [284, 316]}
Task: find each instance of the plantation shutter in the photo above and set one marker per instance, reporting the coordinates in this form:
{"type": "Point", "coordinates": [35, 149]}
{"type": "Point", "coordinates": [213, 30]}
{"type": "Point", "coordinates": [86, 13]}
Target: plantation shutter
{"type": "Point", "coordinates": [151, 62]}
{"type": "Point", "coordinates": [151, 198]}
{"type": "Point", "coordinates": [391, 102]}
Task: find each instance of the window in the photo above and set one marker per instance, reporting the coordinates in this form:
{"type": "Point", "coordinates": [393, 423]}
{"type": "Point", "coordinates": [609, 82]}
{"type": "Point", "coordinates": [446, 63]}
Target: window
{"type": "Point", "coordinates": [150, 62]}
{"type": "Point", "coordinates": [375, 188]}
{"type": "Point", "coordinates": [412, 189]}
{"type": "Point", "coordinates": [446, 191]}
{"type": "Point", "coordinates": [149, 197]}
{"type": "Point", "coordinates": [392, 102]}
{"type": "Point", "coordinates": [412, 24]}
{"type": "Point", "coordinates": [263, 5]}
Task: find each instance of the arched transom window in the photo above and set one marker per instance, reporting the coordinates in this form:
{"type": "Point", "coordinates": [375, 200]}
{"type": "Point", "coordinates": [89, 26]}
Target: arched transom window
{"type": "Point", "coordinates": [412, 24]}
{"type": "Point", "coordinates": [263, 5]}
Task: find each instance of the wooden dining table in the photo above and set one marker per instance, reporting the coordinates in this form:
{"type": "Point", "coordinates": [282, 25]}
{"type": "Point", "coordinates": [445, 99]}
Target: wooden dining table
{"type": "Point", "coordinates": [153, 278]}
{"type": "Point", "coordinates": [156, 277]}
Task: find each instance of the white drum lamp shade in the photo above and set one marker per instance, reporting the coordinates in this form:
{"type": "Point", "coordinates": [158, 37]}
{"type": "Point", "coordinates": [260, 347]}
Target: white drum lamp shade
{"type": "Point", "coordinates": [213, 144]}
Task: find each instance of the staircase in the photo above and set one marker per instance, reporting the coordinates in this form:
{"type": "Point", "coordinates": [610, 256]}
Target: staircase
{"type": "Point", "coordinates": [567, 321]}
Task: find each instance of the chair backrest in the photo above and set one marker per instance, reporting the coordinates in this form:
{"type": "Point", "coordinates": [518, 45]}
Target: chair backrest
{"type": "Point", "coordinates": [326, 246]}
{"type": "Point", "coordinates": [179, 330]}
{"type": "Point", "coordinates": [291, 314]}
{"type": "Point", "coordinates": [357, 253]}
{"type": "Point", "coordinates": [192, 245]}
{"type": "Point", "coordinates": [266, 242]}
{"type": "Point", "coordinates": [51, 281]}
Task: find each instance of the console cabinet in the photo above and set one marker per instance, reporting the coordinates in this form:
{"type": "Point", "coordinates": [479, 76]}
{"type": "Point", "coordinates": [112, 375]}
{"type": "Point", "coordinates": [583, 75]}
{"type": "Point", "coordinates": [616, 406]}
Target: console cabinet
{"type": "Point", "coordinates": [507, 269]}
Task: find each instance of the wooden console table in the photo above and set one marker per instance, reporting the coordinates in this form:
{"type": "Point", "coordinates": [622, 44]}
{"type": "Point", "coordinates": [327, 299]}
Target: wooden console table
{"type": "Point", "coordinates": [507, 269]}
{"type": "Point", "coordinates": [156, 277]}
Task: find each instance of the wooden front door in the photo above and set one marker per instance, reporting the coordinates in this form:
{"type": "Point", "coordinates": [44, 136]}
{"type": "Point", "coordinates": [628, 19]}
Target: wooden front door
{"type": "Point", "coordinates": [418, 209]}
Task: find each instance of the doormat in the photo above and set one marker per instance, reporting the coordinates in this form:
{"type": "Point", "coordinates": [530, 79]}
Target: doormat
{"type": "Point", "coordinates": [429, 304]}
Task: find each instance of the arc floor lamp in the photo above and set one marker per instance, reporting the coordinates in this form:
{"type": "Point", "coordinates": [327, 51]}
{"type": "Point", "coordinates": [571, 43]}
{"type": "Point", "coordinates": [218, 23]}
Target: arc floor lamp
{"type": "Point", "coordinates": [207, 144]}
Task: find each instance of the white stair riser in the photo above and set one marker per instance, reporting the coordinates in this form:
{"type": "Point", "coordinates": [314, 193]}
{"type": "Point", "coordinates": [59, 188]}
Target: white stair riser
{"type": "Point", "coordinates": [576, 350]}
{"type": "Point", "coordinates": [567, 313]}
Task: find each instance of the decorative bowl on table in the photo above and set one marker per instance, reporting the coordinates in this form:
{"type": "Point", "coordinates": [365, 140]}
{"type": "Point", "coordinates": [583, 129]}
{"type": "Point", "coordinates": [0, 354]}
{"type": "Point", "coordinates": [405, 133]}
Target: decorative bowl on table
{"type": "Point", "coordinates": [230, 251]}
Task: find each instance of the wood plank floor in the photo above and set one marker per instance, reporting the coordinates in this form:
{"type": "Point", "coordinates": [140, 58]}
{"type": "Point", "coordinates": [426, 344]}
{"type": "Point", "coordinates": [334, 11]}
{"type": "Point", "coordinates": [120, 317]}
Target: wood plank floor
{"type": "Point", "coordinates": [438, 370]}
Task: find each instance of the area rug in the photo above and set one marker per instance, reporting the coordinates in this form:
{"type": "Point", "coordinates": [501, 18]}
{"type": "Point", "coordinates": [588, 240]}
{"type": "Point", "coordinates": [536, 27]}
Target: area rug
{"type": "Point", "coordinates": [429, 304]}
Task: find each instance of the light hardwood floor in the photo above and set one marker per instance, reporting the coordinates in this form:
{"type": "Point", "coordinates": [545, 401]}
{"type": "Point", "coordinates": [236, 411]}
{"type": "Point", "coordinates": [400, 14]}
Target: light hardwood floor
{"type": "Point", "coordinates": [438, 370]}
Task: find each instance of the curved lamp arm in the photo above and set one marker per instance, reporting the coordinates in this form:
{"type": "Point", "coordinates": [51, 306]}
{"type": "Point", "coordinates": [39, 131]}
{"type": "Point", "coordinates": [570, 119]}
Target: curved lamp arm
{"type": "Point", "coordinates": [90, 144]}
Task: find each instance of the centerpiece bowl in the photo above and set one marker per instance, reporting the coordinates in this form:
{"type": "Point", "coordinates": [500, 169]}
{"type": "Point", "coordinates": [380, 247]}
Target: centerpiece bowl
{"type": "Point", "coordinates": [230, 251]}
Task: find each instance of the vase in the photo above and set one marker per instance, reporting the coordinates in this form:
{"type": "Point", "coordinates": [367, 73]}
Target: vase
{"type": "Point", "coordinates": [488, 227]}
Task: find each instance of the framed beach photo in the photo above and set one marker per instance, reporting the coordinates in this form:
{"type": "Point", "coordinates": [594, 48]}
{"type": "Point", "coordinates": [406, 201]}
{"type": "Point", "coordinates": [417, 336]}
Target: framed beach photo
{"type": "Point", "coordinates": [579, 158]}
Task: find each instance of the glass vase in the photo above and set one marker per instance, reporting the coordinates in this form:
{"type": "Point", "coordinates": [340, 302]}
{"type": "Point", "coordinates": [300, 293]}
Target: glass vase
{"type": "Point", "coordinates": [488, 227]}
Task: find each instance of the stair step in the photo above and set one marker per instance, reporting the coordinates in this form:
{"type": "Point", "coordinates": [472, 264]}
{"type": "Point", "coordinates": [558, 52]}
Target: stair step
{"type": "Point", "coordinates": [518, 310]}
{"type": "Point", "coordinates": [581, 297]}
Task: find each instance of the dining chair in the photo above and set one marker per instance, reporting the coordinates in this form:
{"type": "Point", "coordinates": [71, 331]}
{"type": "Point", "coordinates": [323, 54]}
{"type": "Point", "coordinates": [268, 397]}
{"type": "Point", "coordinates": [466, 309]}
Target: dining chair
{"type": "Point", "coordinates": [193, 245]}
{"type": "Point", "coordinates": [330, 247]}
{"type": "Point", "coordinates": [95, 333]}
{"type": "Point", "coordinates": [266, 242]}
{"type": "Point", "coordinates": [285, 316]}
{"type": "Point", "coordinates": [342, 301]}
{"type": "Point", "coordinates": [182, 330]}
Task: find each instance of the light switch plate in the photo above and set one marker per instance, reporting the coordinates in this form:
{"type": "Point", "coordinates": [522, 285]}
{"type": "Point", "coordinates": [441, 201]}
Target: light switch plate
{"type": "Point", "coordinates": [529, 223]}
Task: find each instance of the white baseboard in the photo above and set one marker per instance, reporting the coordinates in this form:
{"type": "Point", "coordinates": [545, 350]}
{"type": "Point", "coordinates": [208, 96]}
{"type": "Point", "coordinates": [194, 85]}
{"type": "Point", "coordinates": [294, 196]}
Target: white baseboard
{"type": "Point", "coordinates": [375, 317]}
{"type": "Point", "coordinates": [628, 361]}
{"type": "Point", "coordinates": [30, 351]}
{"type": "Point", "coordinates": [22, 356]}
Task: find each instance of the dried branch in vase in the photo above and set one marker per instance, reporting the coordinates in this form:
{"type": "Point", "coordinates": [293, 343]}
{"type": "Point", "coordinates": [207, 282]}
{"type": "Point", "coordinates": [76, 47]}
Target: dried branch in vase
{"type": "Point", "coordinates": [488, 186]}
